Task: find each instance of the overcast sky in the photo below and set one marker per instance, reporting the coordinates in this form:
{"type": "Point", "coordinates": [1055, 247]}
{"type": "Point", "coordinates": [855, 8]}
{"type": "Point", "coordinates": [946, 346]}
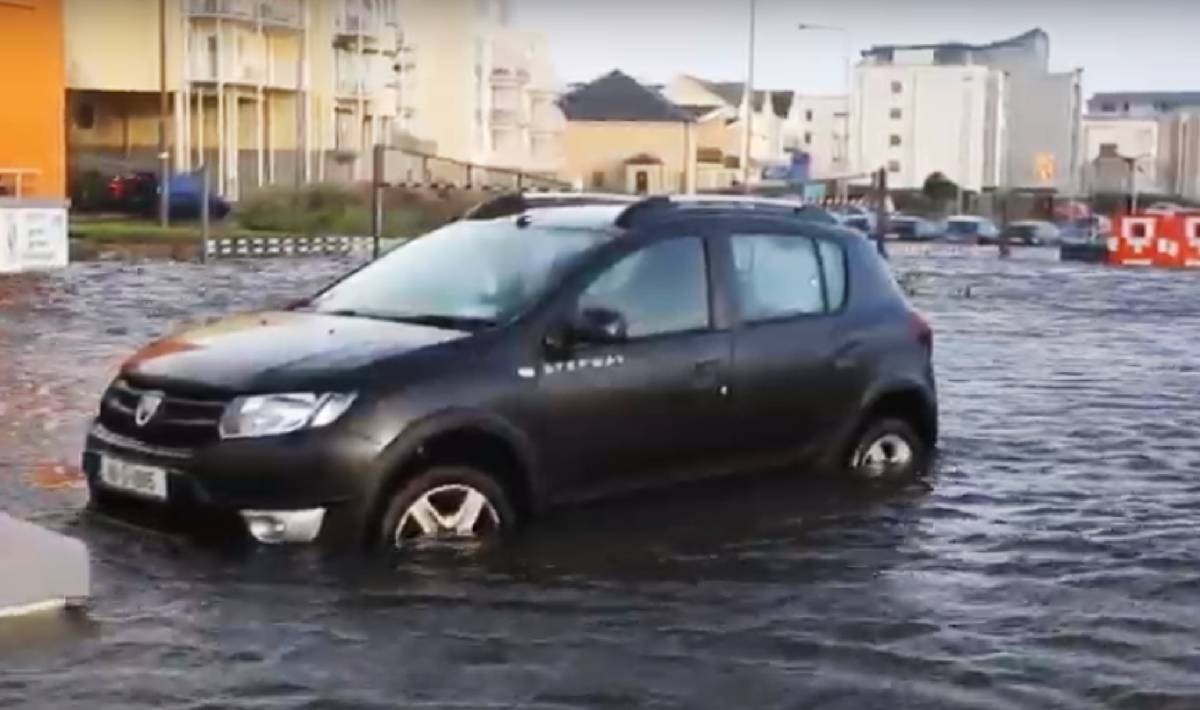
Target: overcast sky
{"type": "Point", "coordinates": [1128, 45]}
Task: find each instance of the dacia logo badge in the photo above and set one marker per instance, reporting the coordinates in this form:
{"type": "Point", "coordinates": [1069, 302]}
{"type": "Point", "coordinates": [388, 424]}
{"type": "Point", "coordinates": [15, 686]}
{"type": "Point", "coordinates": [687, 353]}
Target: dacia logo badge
{"type": "Point", "coordinates": [147, 407]}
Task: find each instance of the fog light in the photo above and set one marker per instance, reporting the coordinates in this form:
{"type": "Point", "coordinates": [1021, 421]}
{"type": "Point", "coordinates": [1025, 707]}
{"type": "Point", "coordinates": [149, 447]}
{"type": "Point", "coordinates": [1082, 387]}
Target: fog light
{"type": "Point", "coordinates": [277, 527]}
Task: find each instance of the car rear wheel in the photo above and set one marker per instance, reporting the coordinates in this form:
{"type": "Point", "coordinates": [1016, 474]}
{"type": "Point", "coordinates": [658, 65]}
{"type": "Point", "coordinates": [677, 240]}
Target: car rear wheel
{"type": "Point", "coordinates": [455, 505]}
{"type": "Point", "coordinates": [888, 450]}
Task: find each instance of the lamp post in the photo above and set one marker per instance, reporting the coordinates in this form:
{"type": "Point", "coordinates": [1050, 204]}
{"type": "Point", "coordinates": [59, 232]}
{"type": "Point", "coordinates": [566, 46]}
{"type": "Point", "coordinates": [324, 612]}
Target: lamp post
{"type": "Point", "coordinates": [1134, 168]}
{"type": "Point", "coordinates": [164, 156]}
{"type": "Point", "coordinates": [814, 27]}
{"type": "Point", "coordinates": [748, 137]}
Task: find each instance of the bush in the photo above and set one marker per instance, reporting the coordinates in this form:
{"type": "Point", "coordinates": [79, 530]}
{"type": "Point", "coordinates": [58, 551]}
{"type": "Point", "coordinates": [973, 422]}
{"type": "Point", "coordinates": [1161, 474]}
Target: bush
{"type": "Point", "coordinates": [346, 210]}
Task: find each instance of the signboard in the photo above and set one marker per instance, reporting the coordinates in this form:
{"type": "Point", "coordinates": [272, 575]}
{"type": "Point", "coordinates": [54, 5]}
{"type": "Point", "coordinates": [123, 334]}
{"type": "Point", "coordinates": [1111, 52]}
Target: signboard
{"type": "Point", "coordinates": [800, 169]}
{"type": "Point", "coordinates": [814, 192]}
{"type": "Point", "coordinates": [33, 238]}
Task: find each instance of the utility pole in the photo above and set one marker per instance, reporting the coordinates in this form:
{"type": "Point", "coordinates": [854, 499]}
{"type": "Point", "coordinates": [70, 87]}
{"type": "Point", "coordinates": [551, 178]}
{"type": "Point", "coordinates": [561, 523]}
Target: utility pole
{"type": "Point", "coordinates": [164, 155]}
{"type": "Point", "coordinates": [748, 138]}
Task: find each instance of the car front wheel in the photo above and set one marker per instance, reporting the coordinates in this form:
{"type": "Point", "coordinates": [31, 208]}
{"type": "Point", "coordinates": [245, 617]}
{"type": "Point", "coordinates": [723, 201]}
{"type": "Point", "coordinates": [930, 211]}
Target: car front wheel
{"type": "Point", "coordinates": [888, 450]}
{"type": "Point", "coordinates": [457, 505]}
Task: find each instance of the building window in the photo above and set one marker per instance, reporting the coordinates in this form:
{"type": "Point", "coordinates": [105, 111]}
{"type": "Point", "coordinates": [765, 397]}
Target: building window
{"type": "Point", "coordinates": [896, 114]}
{"type": "Point", "coordinates": [894, 140]}
{"type": "Point", "coordinates": [807, 138]}
{"type": "Point", "coordinates": [1108, 108]}
{"type": "Point", "coordinates": [893, 166]}
{"type": "Point", "coordinates": [808, 115]}
{"type": "Point", "coordinates": [85, 117]}
{"type": "Point", "coordinates": [897, 87]}
{"type": "Point", "coordinates": [598, 179]}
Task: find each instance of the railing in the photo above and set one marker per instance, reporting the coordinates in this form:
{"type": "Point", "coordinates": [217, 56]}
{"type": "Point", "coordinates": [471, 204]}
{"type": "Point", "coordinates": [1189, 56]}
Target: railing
{"type": "Point", "coordinates": [15, 181]}
{"type": "Point", "coordinates": [502, 117]}
{"type": "Point", "coordinates": [278, 74]}
{"type": "Point", "coordinates": [509, 76]}
{"type": "Point", "coordinates": [284, 13]}
{"type": "Point", "coordinates": [356, 23]}
{"type": "Point", "coordinates": [351, 86]}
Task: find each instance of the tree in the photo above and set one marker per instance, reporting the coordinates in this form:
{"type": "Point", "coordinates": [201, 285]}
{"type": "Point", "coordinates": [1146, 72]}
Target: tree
{"type": "Point", "coordinates": [940, 189]}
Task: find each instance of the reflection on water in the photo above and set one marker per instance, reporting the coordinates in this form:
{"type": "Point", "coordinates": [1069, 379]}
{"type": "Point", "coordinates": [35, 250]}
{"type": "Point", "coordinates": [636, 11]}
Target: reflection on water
{"type": "Point", "coordinates": [1052, 563]}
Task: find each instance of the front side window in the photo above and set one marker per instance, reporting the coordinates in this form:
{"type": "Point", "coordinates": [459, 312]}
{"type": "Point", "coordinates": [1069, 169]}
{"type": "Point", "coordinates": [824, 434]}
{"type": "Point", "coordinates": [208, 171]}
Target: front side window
{"type": "Point", "coordinates": [469, 272]}
{"type": "Point", "coordinates": [777, 276]}
{"type": "Point", "coordinates": [660, 289]}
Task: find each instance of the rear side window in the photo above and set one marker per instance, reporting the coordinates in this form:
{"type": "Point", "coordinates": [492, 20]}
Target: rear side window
{"type": "Point", "coordinates": [777, 276]}
{"type": "Point", "coordinates": [833, 262]}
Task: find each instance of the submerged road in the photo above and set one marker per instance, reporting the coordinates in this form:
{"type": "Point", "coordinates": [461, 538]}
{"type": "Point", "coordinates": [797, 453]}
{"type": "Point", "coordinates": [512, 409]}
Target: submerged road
{"type": "Point", "coordinates": [1053, 562]}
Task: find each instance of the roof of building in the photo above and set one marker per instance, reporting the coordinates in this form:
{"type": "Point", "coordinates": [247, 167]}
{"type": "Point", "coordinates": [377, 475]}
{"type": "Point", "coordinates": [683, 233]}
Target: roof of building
{"type": "Point", "coordinates": [1020, 39]}
{"type": "Point", "coordinates": [697, 112]}
{"type": "Point", "coordinates": [732, 92]}
{"type": "Point", "coordinates": [1189, 98]}
{"type": "Point", "coordinates": [616, 96]}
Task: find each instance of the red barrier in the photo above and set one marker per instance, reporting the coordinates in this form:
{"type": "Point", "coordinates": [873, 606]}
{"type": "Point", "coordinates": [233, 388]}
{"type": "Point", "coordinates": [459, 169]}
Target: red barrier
{"type": "Point", "coordinates": [1169, 241]}
{"type": "Point", "coordinates": [1191, 241]}
{"type": "Point", "coordinates": [1134, 241]}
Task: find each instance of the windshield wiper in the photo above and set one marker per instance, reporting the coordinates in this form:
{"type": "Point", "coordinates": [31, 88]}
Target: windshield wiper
{"type": "Point", "coordinates": [446, 322]}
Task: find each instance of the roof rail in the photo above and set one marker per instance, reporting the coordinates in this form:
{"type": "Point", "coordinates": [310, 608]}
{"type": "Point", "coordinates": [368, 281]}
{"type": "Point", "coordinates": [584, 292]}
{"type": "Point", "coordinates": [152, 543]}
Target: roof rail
{"type": "Point", "coordinates": [747, 202]}
{"type": "Point", "coordinates": [514, 203]}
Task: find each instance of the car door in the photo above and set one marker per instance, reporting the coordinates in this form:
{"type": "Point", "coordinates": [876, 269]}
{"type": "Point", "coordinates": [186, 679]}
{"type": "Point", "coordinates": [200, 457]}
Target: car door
{"type": "Point", "coordinates": [796, 371]}
{"type": "Point", "coordinates": [622, 413]}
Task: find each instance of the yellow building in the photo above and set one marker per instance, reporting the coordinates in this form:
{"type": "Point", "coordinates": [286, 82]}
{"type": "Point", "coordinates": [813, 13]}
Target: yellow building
{"type": "Point", "coordinates": [277, 91]}
{"type": "Point", "coordinates": [624, 137]}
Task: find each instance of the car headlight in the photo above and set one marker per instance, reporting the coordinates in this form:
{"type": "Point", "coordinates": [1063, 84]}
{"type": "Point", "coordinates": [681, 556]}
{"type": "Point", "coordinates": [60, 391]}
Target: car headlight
{"type": "Point", "coordinates": [274, 414]}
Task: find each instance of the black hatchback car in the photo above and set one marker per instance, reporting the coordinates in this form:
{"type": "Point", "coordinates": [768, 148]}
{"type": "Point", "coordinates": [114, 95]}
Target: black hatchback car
{"type": "Point", "coordinates": [497, 366]}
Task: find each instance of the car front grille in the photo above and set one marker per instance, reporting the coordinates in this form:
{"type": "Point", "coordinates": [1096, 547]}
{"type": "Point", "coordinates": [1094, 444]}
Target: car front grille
{"type": "Point", "coordinates": [183, 420]}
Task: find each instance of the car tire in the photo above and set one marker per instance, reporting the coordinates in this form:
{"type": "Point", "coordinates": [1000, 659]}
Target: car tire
{"type": "Point", "coordinates": [887, 450]}
{"type": "Point", "coordinates": [456, 505]}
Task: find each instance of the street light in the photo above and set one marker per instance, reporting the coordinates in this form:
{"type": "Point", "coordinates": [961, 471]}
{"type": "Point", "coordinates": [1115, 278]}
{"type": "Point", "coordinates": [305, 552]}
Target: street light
{"type": "Point", "coordinates": [1133, 181]}
{"type": "Point", "coordinates": [748, 137]}
{"type": "Point", "coordinates": [815, 27]}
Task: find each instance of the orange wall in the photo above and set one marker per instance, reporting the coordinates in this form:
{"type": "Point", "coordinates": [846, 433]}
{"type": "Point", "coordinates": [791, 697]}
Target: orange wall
{"type": "Point", "coordinates": [33, 93]}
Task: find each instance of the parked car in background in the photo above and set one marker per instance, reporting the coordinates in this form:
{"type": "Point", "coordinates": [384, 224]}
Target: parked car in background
{"type": "Point", "coordinates": [855, 217]}
{"type": "Point", "coordinates": [1032, 232]}
{"type": "Point", "coordinates": [496, 367]}
{"type": "Point", "coordinates": [137, 194]}
{"type": "Point", "coordinates": [912, 228]}
{"type": "Point", "coordinates": [1085, 229]}
{"type": "Point", "coordinates": [971, 229]}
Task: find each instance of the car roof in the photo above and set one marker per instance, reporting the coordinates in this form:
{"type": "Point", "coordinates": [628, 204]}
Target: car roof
{"type": "Point", "coordinates": [967, 218]}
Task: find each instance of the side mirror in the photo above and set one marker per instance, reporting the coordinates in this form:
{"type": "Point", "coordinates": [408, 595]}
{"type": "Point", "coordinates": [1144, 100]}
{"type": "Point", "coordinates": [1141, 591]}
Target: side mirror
{"type": "Point", "coordinates": [591, 326]}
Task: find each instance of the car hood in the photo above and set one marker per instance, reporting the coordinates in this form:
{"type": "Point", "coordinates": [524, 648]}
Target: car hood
{"type": "Point", "coordinates": [272, 351]}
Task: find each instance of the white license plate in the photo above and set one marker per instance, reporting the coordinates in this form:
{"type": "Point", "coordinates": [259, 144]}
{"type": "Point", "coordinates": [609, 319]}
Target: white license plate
{"type": "Point", "coordinates": [138, 479]}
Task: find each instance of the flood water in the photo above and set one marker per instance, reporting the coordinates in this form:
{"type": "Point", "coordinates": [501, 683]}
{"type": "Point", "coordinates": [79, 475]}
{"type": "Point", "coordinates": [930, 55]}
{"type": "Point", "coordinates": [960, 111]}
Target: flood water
{"type": "Point", "coordinates": [1054, 561]}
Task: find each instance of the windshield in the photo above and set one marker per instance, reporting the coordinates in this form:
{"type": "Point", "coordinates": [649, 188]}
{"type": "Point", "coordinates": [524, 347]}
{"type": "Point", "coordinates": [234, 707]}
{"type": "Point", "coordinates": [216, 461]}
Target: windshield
{"type": "Point", "coordinates": [1021, 230]}
{"type": "Point", "coordinates": [468, 273]}
{"type": "Point", "coordinates": [962, 226]}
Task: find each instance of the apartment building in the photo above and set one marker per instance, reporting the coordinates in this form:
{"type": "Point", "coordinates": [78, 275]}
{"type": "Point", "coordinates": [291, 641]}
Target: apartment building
{"type": "Point", "coordinates": [527, 126]}
{"type": "Point", "coordinates": [1037, 133]}
{"type": "Point", "coordinates": [914, 118]}
{"type": "Point", "coordinates": [32, 149]}
{"type": "Point", "coordinates": [1179, 146]}
{"type": "Point", "coordinates": [287, 91]}
{"type": "Point", "coordinates": [819, 125]}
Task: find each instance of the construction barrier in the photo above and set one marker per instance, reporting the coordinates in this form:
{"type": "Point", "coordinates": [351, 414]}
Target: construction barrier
{"type": "Point", "coordinates": [1170, 241]}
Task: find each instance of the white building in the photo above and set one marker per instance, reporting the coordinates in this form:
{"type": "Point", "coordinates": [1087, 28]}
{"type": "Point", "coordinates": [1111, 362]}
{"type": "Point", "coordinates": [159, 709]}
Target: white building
{"type": "Point", "coordinates": [914, 118]}
{"type": "Point", "coordinates": [1155, 131]}
{"type": "Point", "coordinates": [767, 119]}
{"type": "Point", "coordinates": [1036, 134]}
{"type": "Point", "coordinates": [527, 126]}
{"type": "Point", "coordinates": [1134, 138]}
{"type": "Point", "coordinates": [819, 125]}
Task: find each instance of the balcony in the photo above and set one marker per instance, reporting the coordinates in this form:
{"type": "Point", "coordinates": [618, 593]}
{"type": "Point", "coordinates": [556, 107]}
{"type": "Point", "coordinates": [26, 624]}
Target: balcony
{"type": "Point", "coordinates": [352, 87]}
{"type": "Point", "coordinates": [503, 76]}
{"type": "Point", "coordinates": [505, 118]}
{"type": "Point", "coordinates": [275, 74]}
{"type": "Point", "coordinates": [357, 24]}
{"type": "Point", "coordinates": [284, 14]}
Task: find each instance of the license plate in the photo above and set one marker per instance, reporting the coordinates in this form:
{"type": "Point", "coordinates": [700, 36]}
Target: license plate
{"type": "Point", "coordinates": [137, 479]}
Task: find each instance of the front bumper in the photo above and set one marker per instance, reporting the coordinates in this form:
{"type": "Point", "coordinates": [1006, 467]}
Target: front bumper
{"type": "Point", "coordinates": [271, 487]}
